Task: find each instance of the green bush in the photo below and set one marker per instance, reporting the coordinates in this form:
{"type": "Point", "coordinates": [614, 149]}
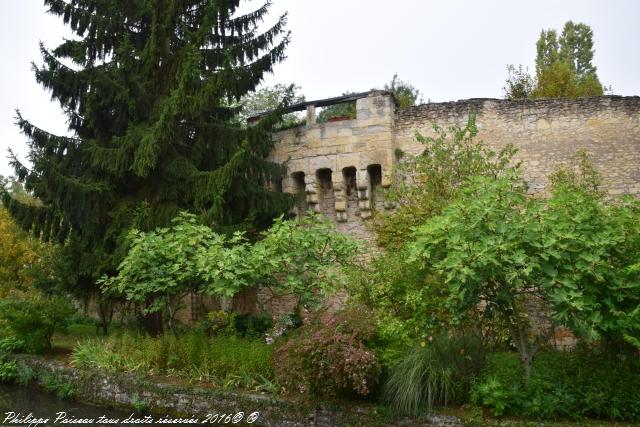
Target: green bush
{"type": "Point", "coordinates": [218, 322]}
{"type": "Point", "coordinates": [236, 356]}
{"type": "Point", "coordinates": [253, 326]}
{"type": "Point", "coordinates": [12, 345]}
{"type": "Point", "coordinates": [330, 356]}
{"type": "Point", "coordinates": [499, 388]}
{"type": "Point", "coordinates": [586, 382]}
{"type": "Point", "coordinates": [8, 370]}
{"type": "Point", "coordinates": [35, 318]}
{"type": "Point", "coordinates": [391, 341]}
{"type": "Point", "coordinates": [53, 383]}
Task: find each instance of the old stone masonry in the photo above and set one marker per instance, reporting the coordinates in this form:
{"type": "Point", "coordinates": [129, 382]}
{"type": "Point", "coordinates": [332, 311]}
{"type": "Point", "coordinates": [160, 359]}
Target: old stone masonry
{"type": "Point", "coordinates": [340, 167]}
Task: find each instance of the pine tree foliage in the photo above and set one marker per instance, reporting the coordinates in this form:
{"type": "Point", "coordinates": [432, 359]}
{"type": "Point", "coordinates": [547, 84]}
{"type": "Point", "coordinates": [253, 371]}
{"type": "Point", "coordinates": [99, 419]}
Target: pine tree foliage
{"type": "Point", "coordinates": [148, 88]}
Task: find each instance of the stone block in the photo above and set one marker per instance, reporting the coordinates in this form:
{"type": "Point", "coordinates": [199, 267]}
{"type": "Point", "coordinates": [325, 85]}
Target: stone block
{"type": "Point", "coordinates": [364, 205]}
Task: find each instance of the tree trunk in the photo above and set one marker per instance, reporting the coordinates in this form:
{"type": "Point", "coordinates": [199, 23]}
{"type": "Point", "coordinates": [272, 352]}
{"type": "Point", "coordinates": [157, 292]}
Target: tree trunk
{"type": "Point", "coordinates": [171, 315]}
{"type": "Point", "coordinates": [527, 361]}
{"type": "Point", "coordinates": [521, 337]}
{"type": "Point", "coordinates": [105, 311]}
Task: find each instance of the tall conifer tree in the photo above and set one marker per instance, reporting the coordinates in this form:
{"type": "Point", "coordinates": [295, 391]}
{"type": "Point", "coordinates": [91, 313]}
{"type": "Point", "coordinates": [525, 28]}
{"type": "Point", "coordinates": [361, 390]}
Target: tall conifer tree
{"type": "Point", "coordinates": [147, 87]}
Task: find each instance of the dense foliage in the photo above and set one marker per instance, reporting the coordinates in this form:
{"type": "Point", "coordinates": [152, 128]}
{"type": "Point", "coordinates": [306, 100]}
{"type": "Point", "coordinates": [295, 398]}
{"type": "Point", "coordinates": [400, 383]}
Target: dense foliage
{"type": "Point", "coordinates": [519, 83]}
{"type": "Point", "coordinates": [160, 269]}
{"type": "Point", "coordinates": [271, 98]}
{"type": "Point", "coordinates": [163, 191]}
{"type": "Point", "coordinates": [304, 258]}
{"type": "Point", "coordinates": [25, 261]}
{"type": "Point", "coordinates": [426, 183]}
{"type": "Point", "coordinates": [20, 254]}
{"type": "Point", "coordinates": [585, 382]}
{"type": "Point", "coordinates": [405, 94]}
{"type": "Point", "coordinates": [33, 319]}
{"type": "Point", "coordinates": [573, 253]}
{"type": "Point", "coordinates": [295, 257]}
{"type": "Point", "coordinates": [146, 87]}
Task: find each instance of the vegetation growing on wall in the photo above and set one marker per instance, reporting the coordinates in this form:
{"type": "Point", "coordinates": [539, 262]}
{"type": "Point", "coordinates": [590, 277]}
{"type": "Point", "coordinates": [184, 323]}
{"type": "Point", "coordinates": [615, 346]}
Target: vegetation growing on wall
{"type": "Point", "coordinates": [404, 93]}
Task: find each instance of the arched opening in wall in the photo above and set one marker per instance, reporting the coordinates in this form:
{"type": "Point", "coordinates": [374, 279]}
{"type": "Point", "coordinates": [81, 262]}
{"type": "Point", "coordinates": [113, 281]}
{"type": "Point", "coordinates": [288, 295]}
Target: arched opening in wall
{"type": "Point", "coordinates": [350, 185]}
{"type": "Point", "coordinates": [375, 180]}
{"type": "Point", "coordinates": [300, 190]}
{"type": "Point", "coordinates": [325, 192]}
{"type": "Point", "coordinates": [349, 175]}
{"type": "Point", "coordinates": [277, 185]}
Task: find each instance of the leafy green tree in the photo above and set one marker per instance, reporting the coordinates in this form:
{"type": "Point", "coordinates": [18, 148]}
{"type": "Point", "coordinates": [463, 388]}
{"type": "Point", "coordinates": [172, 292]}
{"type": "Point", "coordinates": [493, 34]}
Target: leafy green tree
{"type": "Point", "coordinates": [564, 67]}
{"type": "Point", "coordinates": [146, 87]}
{"type": "Point", "coordinates": [564, 64]}
{"type": "Point", "coordinates": [481, 247]}
{"type": "Point", "coordinates": [546, 50]}
{"type": "Point", "coordinates": [300, 258]}
{"type": "Point", "coordinates": [405, 93]}
{"type": "Point", "coordinates": [592, 247]}
{"type": "Point", "coordinates": [426, 183]}
{"type": "Point", "coordinates": [304, 258]}
{"type": "Point", "coordinates": [160, 268]}
{"type": "Point", "coordinates": [519, 84]}
{"type": "Point", "coordinates": [271, 98]}
{"type": "Point", "coordinates": [576, 48]}
{"type": "Point", "coordinates": [573, 255]}
{"type": "Point", "coordinates": [34, 318]}
{"type": "Point", "coordinates": [20, 254]}
{"type": "Point", "coordinates": [23, 258]}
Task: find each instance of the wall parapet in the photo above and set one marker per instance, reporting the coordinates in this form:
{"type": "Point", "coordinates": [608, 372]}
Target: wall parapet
{"type": "Point", "coordinates": [546, 133]}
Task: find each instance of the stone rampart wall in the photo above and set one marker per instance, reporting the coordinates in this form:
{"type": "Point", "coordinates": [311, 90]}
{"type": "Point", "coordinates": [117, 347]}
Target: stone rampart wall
{"type": "Point", "coordinates": [339, 168]}
{"type": "Point", "coordinates": [546, 132]}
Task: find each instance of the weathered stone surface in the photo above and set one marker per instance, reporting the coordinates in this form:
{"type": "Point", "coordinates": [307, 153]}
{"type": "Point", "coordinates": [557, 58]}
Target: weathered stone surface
{"type": "Point", "coordinates": [546, 132]}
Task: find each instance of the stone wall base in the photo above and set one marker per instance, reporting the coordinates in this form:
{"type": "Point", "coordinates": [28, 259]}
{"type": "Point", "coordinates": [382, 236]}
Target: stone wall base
{"type": "Point", "coordinates": [123, 390]}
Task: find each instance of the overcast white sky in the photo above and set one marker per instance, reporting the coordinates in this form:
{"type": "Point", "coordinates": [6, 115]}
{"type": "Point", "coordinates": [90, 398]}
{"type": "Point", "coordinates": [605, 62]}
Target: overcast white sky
{"type": "Point", "coordinates": [449, 50]}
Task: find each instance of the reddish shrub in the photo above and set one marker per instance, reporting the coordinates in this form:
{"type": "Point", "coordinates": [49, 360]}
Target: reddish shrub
{"type": "Point", "coordinates": [329, 356]}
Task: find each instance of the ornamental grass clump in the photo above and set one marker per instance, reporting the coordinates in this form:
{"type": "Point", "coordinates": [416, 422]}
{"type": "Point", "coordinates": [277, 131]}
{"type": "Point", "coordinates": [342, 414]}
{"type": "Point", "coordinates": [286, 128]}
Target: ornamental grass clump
{"type": "Point", "coordinates": [437, 372]}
